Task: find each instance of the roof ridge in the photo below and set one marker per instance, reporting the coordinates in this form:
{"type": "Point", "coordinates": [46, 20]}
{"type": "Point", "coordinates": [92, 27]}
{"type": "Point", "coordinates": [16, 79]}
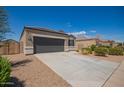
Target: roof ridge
{"type": "Point", "coordinates": [43, 28]}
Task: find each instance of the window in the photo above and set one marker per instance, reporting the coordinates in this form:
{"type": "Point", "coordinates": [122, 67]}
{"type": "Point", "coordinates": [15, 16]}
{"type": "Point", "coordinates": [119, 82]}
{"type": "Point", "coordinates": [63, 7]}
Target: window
{"type": "Point", "coordinates": [71, 42]}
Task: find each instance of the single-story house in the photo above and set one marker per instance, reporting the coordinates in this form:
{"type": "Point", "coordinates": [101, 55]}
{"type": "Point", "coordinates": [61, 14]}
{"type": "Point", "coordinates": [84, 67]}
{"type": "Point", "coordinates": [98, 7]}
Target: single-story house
{"type": "Point", "coordinates": [105, 42]}
{"type": "Point", "coordinates": [41, 40]}
{"type": "Point", "coordinates": [84, 43]}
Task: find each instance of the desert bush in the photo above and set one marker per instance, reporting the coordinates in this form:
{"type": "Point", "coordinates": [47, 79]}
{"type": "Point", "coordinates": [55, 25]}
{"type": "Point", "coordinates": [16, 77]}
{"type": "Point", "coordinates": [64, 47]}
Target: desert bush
{"type": "Point", "coordinates": [105, 46]}
{"type": "Point", "coordinates": [121, 47]}
{"type": "Point", "coordinates": [116, 51]}
{"type": "Point", "coordinates": [86, 51]}
{"type": "Point", "coordinates": [93, 47]}
{"type": "Point", "coordinates": [101, 51]}
{"type": "Point", "coordinates": [4, 71]}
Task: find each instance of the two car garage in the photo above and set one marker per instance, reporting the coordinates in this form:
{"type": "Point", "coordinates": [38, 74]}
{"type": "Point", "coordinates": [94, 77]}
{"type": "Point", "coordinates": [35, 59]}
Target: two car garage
{"type": "Point", "coordinates": [44, 45]}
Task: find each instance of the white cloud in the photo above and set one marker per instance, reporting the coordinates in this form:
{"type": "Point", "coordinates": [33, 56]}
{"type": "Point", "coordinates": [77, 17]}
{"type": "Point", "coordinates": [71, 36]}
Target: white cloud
{"type": "Point", "coordinates": [78, 33]}
{"type": "Point", "coordinates": [93, 31]}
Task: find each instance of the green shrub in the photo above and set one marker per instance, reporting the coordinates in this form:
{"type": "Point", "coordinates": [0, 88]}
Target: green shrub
{"type": "Point", "coordinates": [116, 51]}
{"type": "Point", "coordinates": [4, 71]}
{"type": "Point", "coordinates": [93, 47]}
{"type": "Point", "coordinates": [121, 47]}
{"type": "Point", "coordinates": [101, 51]}
{"type": "Point", "coordinates": [86, 51]}
{"type": "Point", "coordinates": [105, 46]}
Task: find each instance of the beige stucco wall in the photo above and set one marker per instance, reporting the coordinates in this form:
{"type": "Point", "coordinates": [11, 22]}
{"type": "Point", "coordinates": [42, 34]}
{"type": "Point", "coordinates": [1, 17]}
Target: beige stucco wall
{"type": "Point", "coordinates": [85, 43]}
{"type": "Point", "coordinates": [31, 33]}
{"type": "Point", "coordinates": [114, 44]}
{"type": "Point", "coordinates": [23, 42]}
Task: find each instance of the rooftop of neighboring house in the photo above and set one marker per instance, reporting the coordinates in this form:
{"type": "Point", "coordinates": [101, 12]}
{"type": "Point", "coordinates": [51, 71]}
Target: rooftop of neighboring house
{"type": "Point", "coordinates": [86, 39]}
{"type": "Point", "coordinates": [106, 41]}
{"type": "Point", "coordinates": [7, 41]}
{"type": "Point", "coordinates": [96, 39]}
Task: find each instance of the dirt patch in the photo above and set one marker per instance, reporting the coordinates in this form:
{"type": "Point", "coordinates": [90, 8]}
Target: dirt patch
{"type": "Point", "coordinates": [109, 58]}
{"type": "Point", "coordinates": [31, 72]}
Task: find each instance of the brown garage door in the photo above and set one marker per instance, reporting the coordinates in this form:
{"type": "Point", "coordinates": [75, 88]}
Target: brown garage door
{"type": "Point", "coordinates": [44, 45]}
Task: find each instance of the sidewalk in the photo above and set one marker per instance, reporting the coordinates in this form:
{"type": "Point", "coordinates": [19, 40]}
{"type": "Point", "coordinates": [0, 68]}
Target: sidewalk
{"type": "Point", "coordinates": [117, 78]}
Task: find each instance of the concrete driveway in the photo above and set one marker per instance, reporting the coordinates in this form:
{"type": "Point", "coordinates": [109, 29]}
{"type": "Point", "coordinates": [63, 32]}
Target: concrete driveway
{"type": "Point", "coordinates": [79, 70]}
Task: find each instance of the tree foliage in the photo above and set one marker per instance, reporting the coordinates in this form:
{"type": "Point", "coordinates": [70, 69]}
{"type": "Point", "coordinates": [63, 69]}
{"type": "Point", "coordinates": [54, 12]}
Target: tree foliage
{"type": "Point", "coordinates": [4, 27]}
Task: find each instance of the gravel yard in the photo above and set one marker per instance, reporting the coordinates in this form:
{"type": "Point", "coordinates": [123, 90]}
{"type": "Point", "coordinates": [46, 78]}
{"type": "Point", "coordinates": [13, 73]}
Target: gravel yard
{"type": "Point", "coordinates": [29, 71]}
{"type": "Point", "coordinates": [111, 58]}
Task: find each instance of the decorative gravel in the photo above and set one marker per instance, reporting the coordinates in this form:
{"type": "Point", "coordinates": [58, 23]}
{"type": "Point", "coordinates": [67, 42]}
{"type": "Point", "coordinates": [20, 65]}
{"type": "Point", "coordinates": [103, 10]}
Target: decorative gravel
{"type": "Point", "coordinates": [30, 72]}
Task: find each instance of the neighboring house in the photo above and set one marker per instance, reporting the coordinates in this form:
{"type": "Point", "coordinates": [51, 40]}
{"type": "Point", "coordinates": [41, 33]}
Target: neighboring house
{"type": "Point", "coordinates": [115, 44]}
{"type": "Point", "coordinates": [105, 42]}
{"type": "Point", "coordinates": [9, 46]}
{"type": "Point", "coordinates": [42, 40]}
{"type": "Point", "coordinates": [84, 43]}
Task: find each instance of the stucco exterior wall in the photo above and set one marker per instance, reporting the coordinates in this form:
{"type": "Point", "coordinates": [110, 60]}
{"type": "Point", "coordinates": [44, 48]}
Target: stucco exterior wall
{"type": "Point", "coordinates": [23, 42]}
{"type": "Point", "coordinates": [85, 43]}
{"type": "Point", "coordinates": [31, 33]}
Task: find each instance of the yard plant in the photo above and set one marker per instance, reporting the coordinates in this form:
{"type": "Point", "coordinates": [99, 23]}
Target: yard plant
{"type": "Point", "coordinates": [93, 47]}
{"type": "Point", "coordinates": [86, 51]}
{"type": "Point", "coordinates": [101, 51]}
{"type": "Point", "coordinates": [4, 70]}
{"type": "Point", "coordinates": [4, 25]}
{"type": "Point", "coordinates": [116, 51]}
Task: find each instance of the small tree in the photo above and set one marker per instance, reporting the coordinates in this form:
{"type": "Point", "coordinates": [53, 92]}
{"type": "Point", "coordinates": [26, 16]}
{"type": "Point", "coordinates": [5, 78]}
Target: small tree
{"type": "Point", "coordinates": [4, 27]}
{"type": "Point", "coordinates": [93, 47]}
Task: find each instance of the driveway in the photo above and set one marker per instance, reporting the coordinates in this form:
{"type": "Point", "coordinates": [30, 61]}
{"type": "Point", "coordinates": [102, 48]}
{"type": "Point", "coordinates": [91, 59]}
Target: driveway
{"type": "Point", "coordinates": [79, 70]}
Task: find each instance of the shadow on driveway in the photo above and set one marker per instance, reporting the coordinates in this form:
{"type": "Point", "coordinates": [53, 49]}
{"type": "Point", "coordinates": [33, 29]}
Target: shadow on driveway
{"type": "Point", "coordinates": [20, 63]}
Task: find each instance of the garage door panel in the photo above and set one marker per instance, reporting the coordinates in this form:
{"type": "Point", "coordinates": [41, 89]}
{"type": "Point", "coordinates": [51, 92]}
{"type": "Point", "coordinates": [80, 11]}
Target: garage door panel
{"type": "Point", "coordinates": [45, 49]}
{"type": "Point", "coordinates": [43, 45]}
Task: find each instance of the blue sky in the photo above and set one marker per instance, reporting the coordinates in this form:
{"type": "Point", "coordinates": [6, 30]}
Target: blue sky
{"type": "Point", "coordinates": [108, 22]}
